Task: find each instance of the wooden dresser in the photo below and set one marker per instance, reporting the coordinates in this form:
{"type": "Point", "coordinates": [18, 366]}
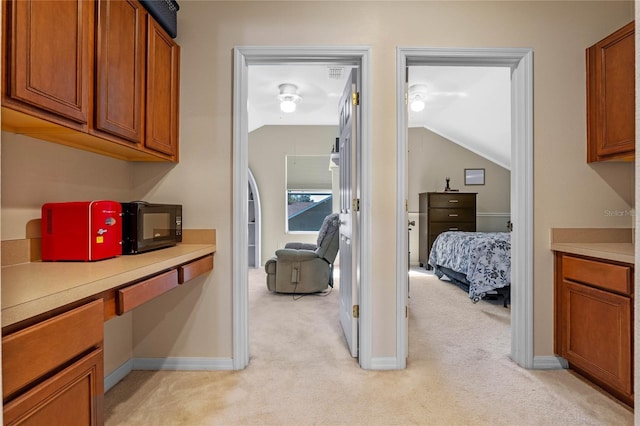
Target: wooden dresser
{"type": "Point", "coordinates": [440, 212]}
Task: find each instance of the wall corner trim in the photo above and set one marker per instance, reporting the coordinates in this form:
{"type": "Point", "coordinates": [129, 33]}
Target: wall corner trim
{"type": "Point", "coordinates": [118, 374]}
{"type": "Point", "coordinates": [549, 362]}
{"type": "Point", "coordinates": [176, 364]}
{"type": "Point", "coordinates": [183, 363]}
{"type": "Point", "coordinates": [386, 363]}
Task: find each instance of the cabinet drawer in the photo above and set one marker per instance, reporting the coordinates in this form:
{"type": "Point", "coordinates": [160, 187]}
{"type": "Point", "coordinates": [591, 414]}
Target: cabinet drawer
{"type": "Point", "coordinates": [600, 274]}
{"type": "Point", "coordinates": [452, 200]}
{"type": "Point", "coordinates": [193, 269]}
{"type": "Point", "coordinates": [135, 295]}
{"type": "Point", "coordinates": [35, 351]}
{"type": "Point", "coordinates": [451, 215]}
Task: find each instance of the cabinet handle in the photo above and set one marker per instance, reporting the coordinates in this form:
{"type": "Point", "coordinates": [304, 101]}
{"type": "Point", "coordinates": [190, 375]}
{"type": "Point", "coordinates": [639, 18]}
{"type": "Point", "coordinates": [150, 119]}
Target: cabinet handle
{"type": "Point", "coordinates": [453, 215]}
{"type": "Point", "coordinates": [453, 229]}
{"type": "Point", "coordinates": [453, 201]}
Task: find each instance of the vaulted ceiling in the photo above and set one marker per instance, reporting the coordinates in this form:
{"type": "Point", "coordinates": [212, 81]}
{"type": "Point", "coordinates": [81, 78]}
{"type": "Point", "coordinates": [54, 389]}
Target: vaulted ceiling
{"type": "Point", "coordinates": [468, 105]}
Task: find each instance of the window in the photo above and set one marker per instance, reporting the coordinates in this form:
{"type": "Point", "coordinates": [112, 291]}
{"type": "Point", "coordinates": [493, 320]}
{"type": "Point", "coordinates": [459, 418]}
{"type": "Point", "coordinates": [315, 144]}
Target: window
{"type": "Point", "coordinates": [307, 210]}
{"type": "Point", "coordinates": [309, 196]}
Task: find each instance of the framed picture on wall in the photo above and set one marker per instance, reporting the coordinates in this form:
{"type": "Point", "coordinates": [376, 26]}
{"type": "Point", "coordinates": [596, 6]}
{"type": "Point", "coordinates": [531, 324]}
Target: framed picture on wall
{"type": "Point", "coordinates": [474, 176]}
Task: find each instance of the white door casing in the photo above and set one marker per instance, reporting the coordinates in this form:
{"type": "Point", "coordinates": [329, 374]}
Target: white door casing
{"type": "Point", "coordinates": [520, 61]}
{"type": "Point", "coordinates": [349, 211]}
{"type": "Point", "coordinates": [245, 56]}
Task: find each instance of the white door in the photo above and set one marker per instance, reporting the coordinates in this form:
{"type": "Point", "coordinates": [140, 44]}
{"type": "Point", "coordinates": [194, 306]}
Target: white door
{"type": "Point", "coordinates": [349, 213]}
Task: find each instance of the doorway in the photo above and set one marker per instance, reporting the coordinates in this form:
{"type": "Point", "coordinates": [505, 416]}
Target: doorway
{"type": "Point", "coordinates": [520, 63]}
{"type": "Point", "coordinates": [243, 58]}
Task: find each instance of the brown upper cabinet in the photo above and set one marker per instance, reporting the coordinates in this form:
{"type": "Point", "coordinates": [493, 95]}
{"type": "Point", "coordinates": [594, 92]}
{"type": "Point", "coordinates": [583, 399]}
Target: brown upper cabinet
{"type": "Point", "coordinates": [49, 60]}
{"type": "Point", "coordinates": [97, 75]}
{"type": "Point", "coordinates": [120, 70]}
{"type": "Point", "coordinates": [611, 97]}
{"type": "Point", "coordinates": [162, 90]}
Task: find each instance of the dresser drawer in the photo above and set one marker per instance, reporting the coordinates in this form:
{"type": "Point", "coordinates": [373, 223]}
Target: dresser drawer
{"type": "Point", "coordinates": [32, 353]}
{"type": "Point", "coordinates": [452, 200]}
{"type": "Point", "coordinates": [452, 215]}
{"type": "Point", "coordinates": [437, 228]}
{"type": "Point", "coordinates": [607, 276]}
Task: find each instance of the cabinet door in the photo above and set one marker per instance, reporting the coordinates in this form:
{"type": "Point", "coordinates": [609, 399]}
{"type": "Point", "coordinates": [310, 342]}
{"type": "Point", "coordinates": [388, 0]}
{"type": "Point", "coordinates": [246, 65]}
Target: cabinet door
{"type": "Point", "coordinates": [120, 68]}
{"type": "Point", "coordinates": [163, 58]}
{"type": "Point", "coordinates": [51, 51]}
{"type": "Point", "coordinates": [611, 96]}
{"type": "Point", "coordinates": [73, 396]}
{"type": "Point", "coordinates": [597, 334]}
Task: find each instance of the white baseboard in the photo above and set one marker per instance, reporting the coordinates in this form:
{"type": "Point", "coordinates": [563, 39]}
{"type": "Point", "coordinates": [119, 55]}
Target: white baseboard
{"type": "Point", "coordinates": [118, 374]}
{"type": "Point", "coordinates": [210, 364]}
{"type": "Point", "coordinates": [549, 363]}
{"type": "Point", "coordinates": [185, 364]}
{"type": "Point", "coordinates": [389, 363]}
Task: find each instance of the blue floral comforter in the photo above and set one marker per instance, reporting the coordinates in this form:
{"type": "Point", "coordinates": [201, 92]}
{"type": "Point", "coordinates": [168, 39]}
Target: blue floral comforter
{"type": "Point", "coordinates": [483, 257]}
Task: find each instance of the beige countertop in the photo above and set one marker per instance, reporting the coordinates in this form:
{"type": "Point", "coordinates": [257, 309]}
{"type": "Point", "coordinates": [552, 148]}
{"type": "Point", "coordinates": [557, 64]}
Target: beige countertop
{"type": "Point", "coordinates": [29, 289]}
{"type": "Point", "coordinates": [615, 244]}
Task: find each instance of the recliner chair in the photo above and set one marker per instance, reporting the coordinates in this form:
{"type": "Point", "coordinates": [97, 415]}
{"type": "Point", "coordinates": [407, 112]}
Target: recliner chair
{"type": "Point", "coordinates": [306, 268]}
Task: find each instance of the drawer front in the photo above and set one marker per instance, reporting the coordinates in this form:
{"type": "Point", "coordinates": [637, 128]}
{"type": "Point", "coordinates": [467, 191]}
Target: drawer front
{"type": "Point", "coordinates": [35, 351]}
{"type": "Point", "coordinates": [135, 295]}
{"type": "Point", "coordinates": [600, 274]}
{"type": "Point", "coordinates": [452, 200]}
{"type": "Point", "coordinates": [437, 228]}
{"type": "Point", "coordinates": [193, 269]}
{"type": "Point", "coordinates": [452, 215]}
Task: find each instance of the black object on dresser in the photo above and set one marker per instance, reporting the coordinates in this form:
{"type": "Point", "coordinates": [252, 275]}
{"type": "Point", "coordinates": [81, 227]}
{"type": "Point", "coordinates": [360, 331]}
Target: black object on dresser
{"type": "Point", "coordinates": [440, 212]}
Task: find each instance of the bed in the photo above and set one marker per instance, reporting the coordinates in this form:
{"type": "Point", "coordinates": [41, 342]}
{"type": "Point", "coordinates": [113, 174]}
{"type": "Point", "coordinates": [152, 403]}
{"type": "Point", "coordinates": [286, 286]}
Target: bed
{"type": "Point", "coordinates": [477, 261]}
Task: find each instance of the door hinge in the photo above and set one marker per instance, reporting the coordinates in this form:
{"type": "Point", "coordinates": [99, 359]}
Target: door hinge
{"type": "Point", "coordinates": [355, 98]}
{"type": "Point", "coordinates": [356, 204]}
{"type": "Point", "coordinates": [356, 311]}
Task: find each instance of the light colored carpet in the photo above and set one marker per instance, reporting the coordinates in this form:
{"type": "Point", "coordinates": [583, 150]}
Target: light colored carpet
{"type": "Point", "coordinates": [300, 373]}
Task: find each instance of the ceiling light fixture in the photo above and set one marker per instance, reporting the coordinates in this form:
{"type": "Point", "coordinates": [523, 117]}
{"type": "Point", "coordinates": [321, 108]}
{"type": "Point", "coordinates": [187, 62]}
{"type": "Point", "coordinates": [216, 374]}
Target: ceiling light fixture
{"type": "Point", "coordinates": [417, 97]}
{"type": "Point", "coordinates": [288, 97]}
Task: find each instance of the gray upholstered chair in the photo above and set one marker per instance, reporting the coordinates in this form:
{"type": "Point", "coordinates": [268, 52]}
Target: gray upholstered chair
{"type": "Point", "coordinates": [306, 268]}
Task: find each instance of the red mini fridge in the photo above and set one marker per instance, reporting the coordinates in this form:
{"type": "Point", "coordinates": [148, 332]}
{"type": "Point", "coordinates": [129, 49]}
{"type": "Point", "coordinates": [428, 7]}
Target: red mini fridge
{"type": "Point", "coordinates": [81, 230]}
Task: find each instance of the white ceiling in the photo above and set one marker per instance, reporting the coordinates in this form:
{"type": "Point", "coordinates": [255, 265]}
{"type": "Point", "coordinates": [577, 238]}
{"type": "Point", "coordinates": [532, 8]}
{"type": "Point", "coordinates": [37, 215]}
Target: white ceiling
{"type": "Point", "coordinates": [467, 105]}
{"type": "Point", "coordinates": [319, 92]}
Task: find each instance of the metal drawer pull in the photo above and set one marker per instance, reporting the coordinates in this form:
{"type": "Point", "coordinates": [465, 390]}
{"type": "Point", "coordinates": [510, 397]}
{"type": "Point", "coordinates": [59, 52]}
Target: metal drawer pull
{"type": "Point", "coordinates": [453, 201]}
{"type": "Point", "coordinates": [453, 229]}
{"type": "Point", "coordinates": [453, 215]}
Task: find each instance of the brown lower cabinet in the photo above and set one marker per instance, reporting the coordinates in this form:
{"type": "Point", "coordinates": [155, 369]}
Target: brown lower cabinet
{"type": "Point", "coordinates": [594, 321]}
{"type": "Point", "coordinates": [52, 371]}
{"type": "Point", "coordinates": [53, 366]}
{"type": "Point", "coordinates": [72, 397]}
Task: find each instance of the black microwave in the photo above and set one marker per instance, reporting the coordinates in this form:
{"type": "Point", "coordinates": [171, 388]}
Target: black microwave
{"type": "Point", "coordinates": [147, 226]}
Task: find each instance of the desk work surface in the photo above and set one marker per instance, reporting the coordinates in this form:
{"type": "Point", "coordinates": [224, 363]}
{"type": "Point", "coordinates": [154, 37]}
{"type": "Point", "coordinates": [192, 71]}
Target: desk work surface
{"type": "Point", "coordinates": [30, 289]}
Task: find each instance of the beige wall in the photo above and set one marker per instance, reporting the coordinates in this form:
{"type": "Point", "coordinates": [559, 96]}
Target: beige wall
{"type": "Point", "coordinates": [197, 320]}
{"type": "Point", "coordinates": [268, 148]}
{"type": "Point", "coordinates": [432, 159]}
{"type": "Point", "coordinates": [567, 192]}
{"type": "Point", "coordinates": [35, 172]}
